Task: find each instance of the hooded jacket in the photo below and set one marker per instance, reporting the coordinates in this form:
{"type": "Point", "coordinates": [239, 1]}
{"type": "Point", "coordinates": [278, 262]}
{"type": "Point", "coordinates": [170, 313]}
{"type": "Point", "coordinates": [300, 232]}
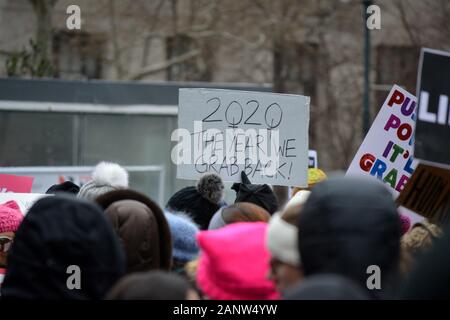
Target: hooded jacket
{"type": "Point", "coordinates": [57, 236]}
{"type": "Point", "coordinates": [142, 227]}
{"type": "Point", "coordinates": [348, 224]}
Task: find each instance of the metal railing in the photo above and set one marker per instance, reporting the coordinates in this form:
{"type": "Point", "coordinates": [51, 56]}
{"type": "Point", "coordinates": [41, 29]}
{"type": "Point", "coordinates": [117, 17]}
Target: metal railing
{"type": "Point", "coordinates": [67, 170]}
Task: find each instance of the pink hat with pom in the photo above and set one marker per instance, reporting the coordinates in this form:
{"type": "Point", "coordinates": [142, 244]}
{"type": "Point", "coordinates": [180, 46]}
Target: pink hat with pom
{"type": "Point", "coordinates": [10, 217]}
{"type": "Point", "coordinates": [234, 263]}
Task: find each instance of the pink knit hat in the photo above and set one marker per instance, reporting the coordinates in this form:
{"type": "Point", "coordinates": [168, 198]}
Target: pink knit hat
{"type": "Point", "coordinates": [10, 216]}
{"type": "Point", "coordinates": [234, 263]}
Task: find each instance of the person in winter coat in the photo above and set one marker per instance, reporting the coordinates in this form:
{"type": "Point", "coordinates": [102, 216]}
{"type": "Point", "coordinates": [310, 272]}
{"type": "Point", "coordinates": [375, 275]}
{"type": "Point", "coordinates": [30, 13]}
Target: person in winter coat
{"type": "Point", "coordinates": [184, 240]}
{"type": "Point", "coordinates": [153, 285]}
{"type": "Point", "coordinates": [142, 228]}
{"type": "Point", "coordinates": [347, 225]}
{"type": "Point", "coordinates": [234, 263]}
{"type": "Point", "coordinates": [416, 242]}
{"type": "Point", "coordinates": [281, 240]}
{"type": "Point", "coordinates": [106, 177]}
{"type": "Point", "coordinates": [259, 194]}
{"type": "Point", "coordinates": [62, 237]}
{"type": "Point", "coordinates": [429, 279]}
{"type": "Point", "coordinates": [201, 201]}
{"type": "Point", "coordinates": [238, 212]}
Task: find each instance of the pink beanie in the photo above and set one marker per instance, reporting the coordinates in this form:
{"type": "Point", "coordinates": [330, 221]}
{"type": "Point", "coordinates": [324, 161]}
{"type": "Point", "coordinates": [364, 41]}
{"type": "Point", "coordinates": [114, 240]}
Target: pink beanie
{"type": "Point", "coordinates": [234, 263]}
{"type": "Point", "coordinates": [10, 217]}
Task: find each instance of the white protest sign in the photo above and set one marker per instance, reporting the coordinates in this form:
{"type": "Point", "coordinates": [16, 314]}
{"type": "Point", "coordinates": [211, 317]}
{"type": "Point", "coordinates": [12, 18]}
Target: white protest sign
{"type": "Point", "coordinates": [24, 200]}
{"type": "Point", "coordinates": [229, 131]}
{"type": "Point", "coordinates": [386, 152]}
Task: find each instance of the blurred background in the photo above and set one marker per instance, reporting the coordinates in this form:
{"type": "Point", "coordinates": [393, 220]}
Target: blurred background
{"type": "Point", "coordinates": [109, 91]}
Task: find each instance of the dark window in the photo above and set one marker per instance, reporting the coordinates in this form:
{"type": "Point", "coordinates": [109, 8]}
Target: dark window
{"type": "Point", "coordinates": [195, 64]}
{"type": "Point", "coordinates": [77, 55]}
{"type": "Point", "coordinates": [36, 139]}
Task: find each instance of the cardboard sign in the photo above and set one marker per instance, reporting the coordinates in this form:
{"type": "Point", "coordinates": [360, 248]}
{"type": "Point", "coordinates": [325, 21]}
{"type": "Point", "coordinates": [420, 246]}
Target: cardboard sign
{"type": "Point", "coordinates": [228, 131]}
{"type": "Point", "coordinates": [432, 138]}
{"type": "Point", "coordinates": [24, 200]}
{"type": "Point", "coordinates": [428, 193]}
{"type": "Point", "coordinates": [313, 162]}
{"type": "Point", "coordinates": [13, 183]}
{"type": "Point", "coordinates": [386, 152]}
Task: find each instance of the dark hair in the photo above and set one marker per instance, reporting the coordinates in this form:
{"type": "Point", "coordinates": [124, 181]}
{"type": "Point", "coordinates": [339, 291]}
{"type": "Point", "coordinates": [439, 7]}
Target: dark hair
{"type": "Point", "coordinates": [153, 285]}
{"type": "Point", "coordinates": [244, 212]}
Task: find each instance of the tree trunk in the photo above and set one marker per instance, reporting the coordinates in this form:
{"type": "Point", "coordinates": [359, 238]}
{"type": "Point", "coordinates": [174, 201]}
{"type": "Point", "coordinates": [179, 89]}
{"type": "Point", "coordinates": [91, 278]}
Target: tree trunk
{"type": "Point", "coordinates": [281, 192]}
{"type": "Point", "coordinates": [44, 31]}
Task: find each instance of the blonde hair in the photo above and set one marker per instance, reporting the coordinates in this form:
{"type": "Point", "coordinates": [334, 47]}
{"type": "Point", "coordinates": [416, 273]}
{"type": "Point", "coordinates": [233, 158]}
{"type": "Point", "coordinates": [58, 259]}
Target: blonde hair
{"type": "Point", "coordinates": [415, 242]}
{"type": "Point", "coordinates": [315, 175]}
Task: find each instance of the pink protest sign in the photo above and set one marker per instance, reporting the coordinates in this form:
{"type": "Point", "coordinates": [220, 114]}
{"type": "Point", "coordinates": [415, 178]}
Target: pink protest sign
{"type": "Point", "coordinates": [387, 150]}
{"type": "Point", "coordinates": [16, 184]}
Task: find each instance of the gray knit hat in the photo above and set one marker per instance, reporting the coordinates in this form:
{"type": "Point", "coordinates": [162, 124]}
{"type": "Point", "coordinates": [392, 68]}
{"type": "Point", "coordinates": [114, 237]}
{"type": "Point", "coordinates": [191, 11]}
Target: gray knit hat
{"type": "Point", "coordinates": [106, 177]}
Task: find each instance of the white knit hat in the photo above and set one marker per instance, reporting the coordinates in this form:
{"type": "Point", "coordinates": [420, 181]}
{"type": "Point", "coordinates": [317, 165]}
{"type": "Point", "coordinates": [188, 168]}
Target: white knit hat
{"type": "Point", "coordinates": [282, 236]}
{"type": "Point", "coordinates": [106, 177]}
{"type": "Point", "coordinates": [299, 198]}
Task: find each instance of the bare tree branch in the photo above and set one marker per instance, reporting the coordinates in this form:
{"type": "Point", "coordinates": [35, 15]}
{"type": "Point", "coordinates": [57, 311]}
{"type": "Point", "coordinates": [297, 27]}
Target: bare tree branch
{"type": "Point", "coordinates": [406, 25]}
{"type": "Point", "coordinates": [164, 65]}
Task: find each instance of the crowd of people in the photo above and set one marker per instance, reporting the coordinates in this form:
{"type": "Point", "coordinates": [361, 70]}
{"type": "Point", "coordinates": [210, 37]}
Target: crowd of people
{"type": "Point", "coordinates": [323, 244]}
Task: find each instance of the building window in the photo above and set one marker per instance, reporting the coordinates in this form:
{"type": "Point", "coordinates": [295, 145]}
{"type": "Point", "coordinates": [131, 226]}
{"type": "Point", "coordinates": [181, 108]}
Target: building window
{"type": "Point", "coordinates": [77, 55]}
{"type": "Point", "coordinates": [395, 65]}
{"type": "Point", "coordinates": [195, 63]}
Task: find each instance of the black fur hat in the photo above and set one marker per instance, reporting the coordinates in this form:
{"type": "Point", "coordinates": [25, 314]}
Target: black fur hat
{"type": "Point", "coordinates": [65, 187]}
{"type": "Point", "coordinates": [200, 202]}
